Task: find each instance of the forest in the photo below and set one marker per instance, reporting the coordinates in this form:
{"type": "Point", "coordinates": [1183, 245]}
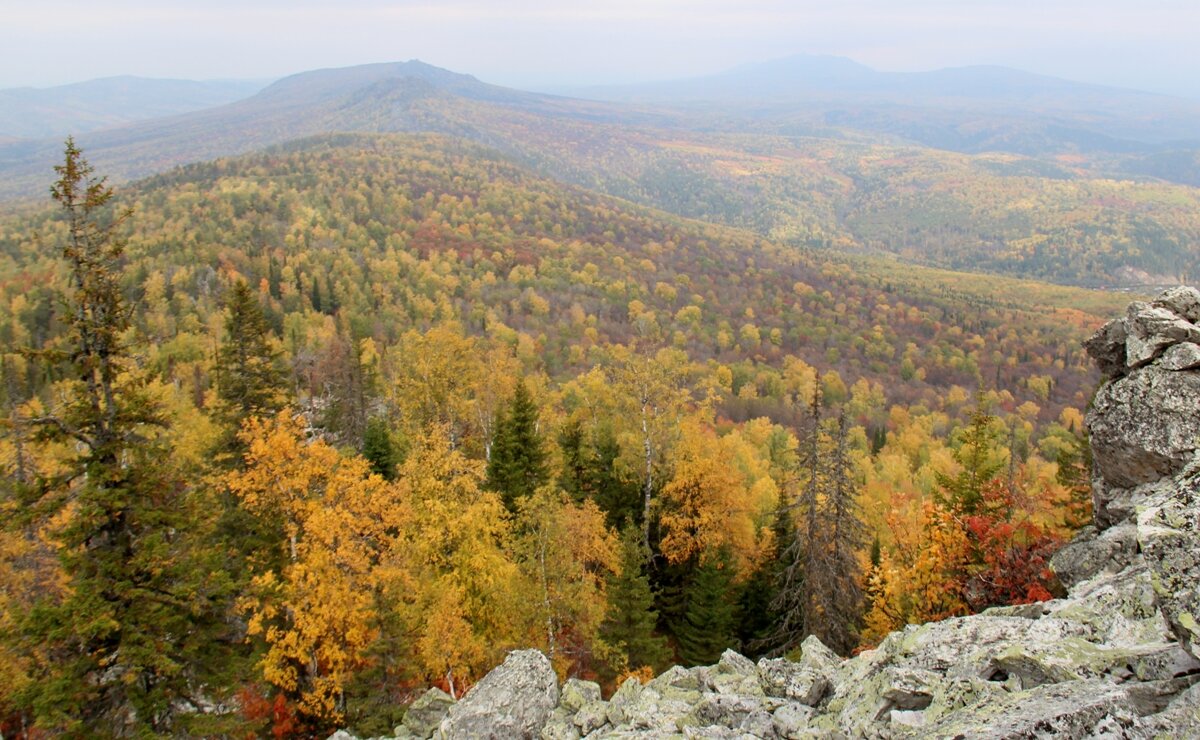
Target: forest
{"type": "Point", "coordinates": [292, 436]}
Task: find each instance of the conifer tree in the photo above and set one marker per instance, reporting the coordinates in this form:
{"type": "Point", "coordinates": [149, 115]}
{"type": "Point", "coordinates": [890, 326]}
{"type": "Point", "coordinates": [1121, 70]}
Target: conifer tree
{"type": "Point", "coordinates": [709, 620]}
{"type": "Point", "coordinates": [250, 375]}
{"type": "Point", "coordinates": [789, 600]}
{"type": "Point", "coordinates": [518, 463]}
{"type": "Point", "coordinates": [379, 450]}
{"type": "Point", "coordinates": [847, 536]}
{"type": "Point", "coordinates": [962, 493]}
{"type": "Point", "coordinates": [124, 649]}
{"type": "Point", "coordinates": [629, 625]}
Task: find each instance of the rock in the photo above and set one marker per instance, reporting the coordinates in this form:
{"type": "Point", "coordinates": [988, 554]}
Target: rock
{"type": "Point", "coordinates": [791, 720]}
{"type": "Point", "coordinates": [560, 726]}
{"type": "Point", "coordinates": [575, 693]}
{"type": "Point", "coordinates": [591, 717]}
{"type": "Point", "coordinates": [1067, 710]}
{"type": "Point", "coordinates": [1169, 537]}
{"type": "Point", "coordinates": [426, 713]}
{"type": "Point", "coordinates": [1144, 427]}
{"type": "Point", "coordinates": [734, 663]}
{"type": "Point", "coordinates": [1150, 330]}
{"type": "Point", "coordinates": [624, 698]}
{"type": "Point", "coordinates": [513, 701]}
{"type": "Point", "coordinates": [784, 679]}
{"type": "Point", "coordinates": [1107, 347]}
{"type": "Point", "coordinates": [1183, 301]}
{"type": "Point", "coordinates": [341, 735]}
{"type": "Point", "coordinates": [1181, 357]}
{"type": "Point", "coordinates": [1092, 553]}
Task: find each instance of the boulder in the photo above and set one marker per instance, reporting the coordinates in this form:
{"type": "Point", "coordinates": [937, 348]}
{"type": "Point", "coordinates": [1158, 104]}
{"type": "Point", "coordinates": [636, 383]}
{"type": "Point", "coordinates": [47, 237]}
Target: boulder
{"type": "Point", "coordinates": [1181, 357]}
{"type": "Point", "coordinates": [1151, 329]}
{"type": "Point", "coordinates": [515, 700]}
{"type": "Point", "coordinates": [1183, 301]}
{"type": "Point", "coordinates": [426, 713]}
{"type": "Point", "coordinates": [1144, 428]}
{"type": "Point", "coordinates": [575, 693]}
{"type": "Point", "coordinates": [1092, 553]}
{"type": "Point", "coordinates": [1169, 537]}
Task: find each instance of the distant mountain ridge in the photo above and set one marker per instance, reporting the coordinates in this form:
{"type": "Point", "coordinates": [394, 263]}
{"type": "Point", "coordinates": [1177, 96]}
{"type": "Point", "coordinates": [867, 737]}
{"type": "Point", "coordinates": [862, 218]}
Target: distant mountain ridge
{"type": "Point", "coordinates": [34, 113]}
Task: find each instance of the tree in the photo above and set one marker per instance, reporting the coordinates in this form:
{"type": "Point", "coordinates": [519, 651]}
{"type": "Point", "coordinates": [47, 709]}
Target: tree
{"type": "Point", "coordinates": [847, 538]}
{"type": "Point", "coordinates": [250, 375]}
{"type": "Point", "coordinates": [517, 466]}
{"type": "Point", "coordinates": [708, 625]}
{"type": "Point", "coordinates": [126, 647]}
{"type": "Point", "coordinates": [962, 493]}
{"type": "Point", "coordinates": [630, 619]}
{"type": "Point", "coordinates": [379, 449]}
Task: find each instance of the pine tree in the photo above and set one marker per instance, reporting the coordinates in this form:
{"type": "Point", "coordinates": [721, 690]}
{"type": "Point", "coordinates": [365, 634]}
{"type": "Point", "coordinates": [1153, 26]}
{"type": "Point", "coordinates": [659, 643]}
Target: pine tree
{"type": "Point", "coordinates": [127, 645]}
{"type": "Point", "coordinates": [789, 600]}
{"type": "Point", "coordinates": [518, 463]}
{"type": "Point", "coordinates": [629, 625]}
{"type": "Point", "coordinates": [811, 548]}
{"type": "Point", "coordinates": [710, 615]}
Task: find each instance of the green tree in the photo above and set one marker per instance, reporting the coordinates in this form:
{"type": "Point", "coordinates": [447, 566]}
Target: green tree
{"type": "Point", "coordinates": [126, 648]}
{"type": "Point", "coordinates": [629, 623]}
{"type": "Point", "coordinates": [379, 449]}
{"type": "Point", "coordinates": [518, 465]}
{"type": "Point", "coordinates": [250, 374]}
{"type": "Point", "coordinates": [710, 612]}
{"type": "Point", "coordinates": [847, 537]}
{"type": "Point", "coordinates": [962, 493]}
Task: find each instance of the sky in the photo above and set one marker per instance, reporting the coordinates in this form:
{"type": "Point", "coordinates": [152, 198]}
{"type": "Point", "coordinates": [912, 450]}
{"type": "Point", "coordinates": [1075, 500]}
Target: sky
{"type": "Point", "coordinates": [545, 44]}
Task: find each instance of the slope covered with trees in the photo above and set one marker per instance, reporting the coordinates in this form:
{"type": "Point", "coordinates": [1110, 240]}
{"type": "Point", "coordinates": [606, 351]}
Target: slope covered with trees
{"type": "Point", "coordinates": [419, 406]}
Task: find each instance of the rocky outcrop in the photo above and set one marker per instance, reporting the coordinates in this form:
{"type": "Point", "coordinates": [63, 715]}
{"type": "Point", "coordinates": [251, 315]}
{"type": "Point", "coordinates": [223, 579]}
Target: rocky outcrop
{"type": "Point", "coordinates": [1117, 657]}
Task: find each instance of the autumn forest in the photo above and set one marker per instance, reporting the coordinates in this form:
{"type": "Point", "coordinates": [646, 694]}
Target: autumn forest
{"type": "Point", "coordinates": [292, 436]}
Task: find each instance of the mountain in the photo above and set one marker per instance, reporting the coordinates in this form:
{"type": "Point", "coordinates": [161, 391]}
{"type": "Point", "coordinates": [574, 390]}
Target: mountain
{"type": "Point", "coordinates": [35, 113]}
{"type": "Point", "coordinates": [839, 179]}
{"type": "Point", "coordinates": [973, 109]}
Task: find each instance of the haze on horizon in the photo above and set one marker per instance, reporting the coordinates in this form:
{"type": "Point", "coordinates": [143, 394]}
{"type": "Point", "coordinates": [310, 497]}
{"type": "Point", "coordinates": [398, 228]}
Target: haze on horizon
{"type": "Point", "coordinates": [1147, 44]}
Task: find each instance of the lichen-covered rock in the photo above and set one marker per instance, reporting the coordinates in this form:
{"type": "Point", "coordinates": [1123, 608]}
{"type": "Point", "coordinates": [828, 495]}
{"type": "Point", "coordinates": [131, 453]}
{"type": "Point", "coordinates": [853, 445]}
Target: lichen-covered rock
{"type": "Point", "coordinates": [1144, 427]}
{"type": "Point", "coordinates": [1183, 301]}
{"type": "Point", "coordinates": [426, 713]}
{"type": "Point", "coordinates": [1152, 329]}
{"type": "Point", "coordinates": [515, 700]}
{"type": "Point", "coordinates": [1092, 553]}
{"type": "Point", "coordinates": [575, 693]}
{"type": "Point", "coordinates": [1065, 710]}
{"type": "Point", "coordinates": [1169, 537]}
{"type": "Point", "coordinates": [1181, 357]}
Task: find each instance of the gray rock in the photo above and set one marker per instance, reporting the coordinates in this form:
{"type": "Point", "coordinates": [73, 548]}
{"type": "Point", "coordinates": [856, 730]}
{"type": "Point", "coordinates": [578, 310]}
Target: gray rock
{"type": "Point", "coordinates": [575, 693]}
{"type": "Point", "coordinates": [1092, 553]}
{"type": "Point", "coordinates": [341, 735]}
{"type": "Point", "coordinates": [1144, 427]}
{"type": "Point", "coordinates": [1180, 357]}
{"type": "Point", "coordinates": [1169, 536]}
{"type": "Point", "coordinates": [1183, 301]}
{"type": "Point", "coordinates": [1067, 710]}
{"type": "Point", "coordinates": [560, 726]}
{"type": "Point", "coordinates": [591, 717]}
{"type": "Point", "coordinates": [426, 713]}
{"type": "Point", "coordinates": [513, 701]}
{"type": "Point", "coordinates": [784, 679]}
{"type": "Point", "coordinates": [1107, 347]}
{"type": "Point", "coordinates": [791, 720]}
{"type": "Point", "coordinates": [1150, 330]}
{"type": "Point", "coordinates": [625, 697]}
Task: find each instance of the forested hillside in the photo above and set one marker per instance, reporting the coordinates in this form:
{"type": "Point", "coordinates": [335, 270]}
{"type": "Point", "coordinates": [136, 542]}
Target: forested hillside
{"type": "Point", "coordinates": [1072, 214]}
{"type": "Point", "coordinates": [384, 407]}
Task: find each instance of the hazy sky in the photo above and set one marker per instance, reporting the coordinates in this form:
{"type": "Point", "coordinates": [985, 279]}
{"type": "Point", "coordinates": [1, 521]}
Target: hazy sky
{"type": "Point", "coordinates": [1144, 43]}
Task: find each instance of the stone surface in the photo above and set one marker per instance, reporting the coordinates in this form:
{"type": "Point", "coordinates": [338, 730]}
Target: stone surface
{"type": "Point", "coordinates": [515, 700]}
{"type": "Point", "coordinates": [1183, 301]}
{"type": "Point", "coordinates": [1180, 357]}
{"type": "Point", "coordinates": [1145, 426]}
{"type": "Point", "coordinates": [426, 713]}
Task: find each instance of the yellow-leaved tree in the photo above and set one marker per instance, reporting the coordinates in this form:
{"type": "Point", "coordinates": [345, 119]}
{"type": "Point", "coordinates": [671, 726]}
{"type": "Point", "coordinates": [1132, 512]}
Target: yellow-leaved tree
{"type": "Point", "coordinates": [315, 604]}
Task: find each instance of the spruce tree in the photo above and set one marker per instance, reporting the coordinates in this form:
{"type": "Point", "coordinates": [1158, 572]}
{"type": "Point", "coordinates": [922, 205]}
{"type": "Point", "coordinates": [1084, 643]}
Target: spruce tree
{"type": "Point", "coordinates": [963, 493]}
{"type": "Point", "coordinates": [125, 649]}
{"type": "Point", "coordinates": [847, 537]}
{"type": "Point", "coordinates": [250, 374]}
{"type": "Point", "coordinates": [629, 623]}
{"type": "Point", "coordinates": [379, 450]}
{"type": "Point", "coordinates": [709, 620]}
{"type": "Point", "coordinates": [517, 466]}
